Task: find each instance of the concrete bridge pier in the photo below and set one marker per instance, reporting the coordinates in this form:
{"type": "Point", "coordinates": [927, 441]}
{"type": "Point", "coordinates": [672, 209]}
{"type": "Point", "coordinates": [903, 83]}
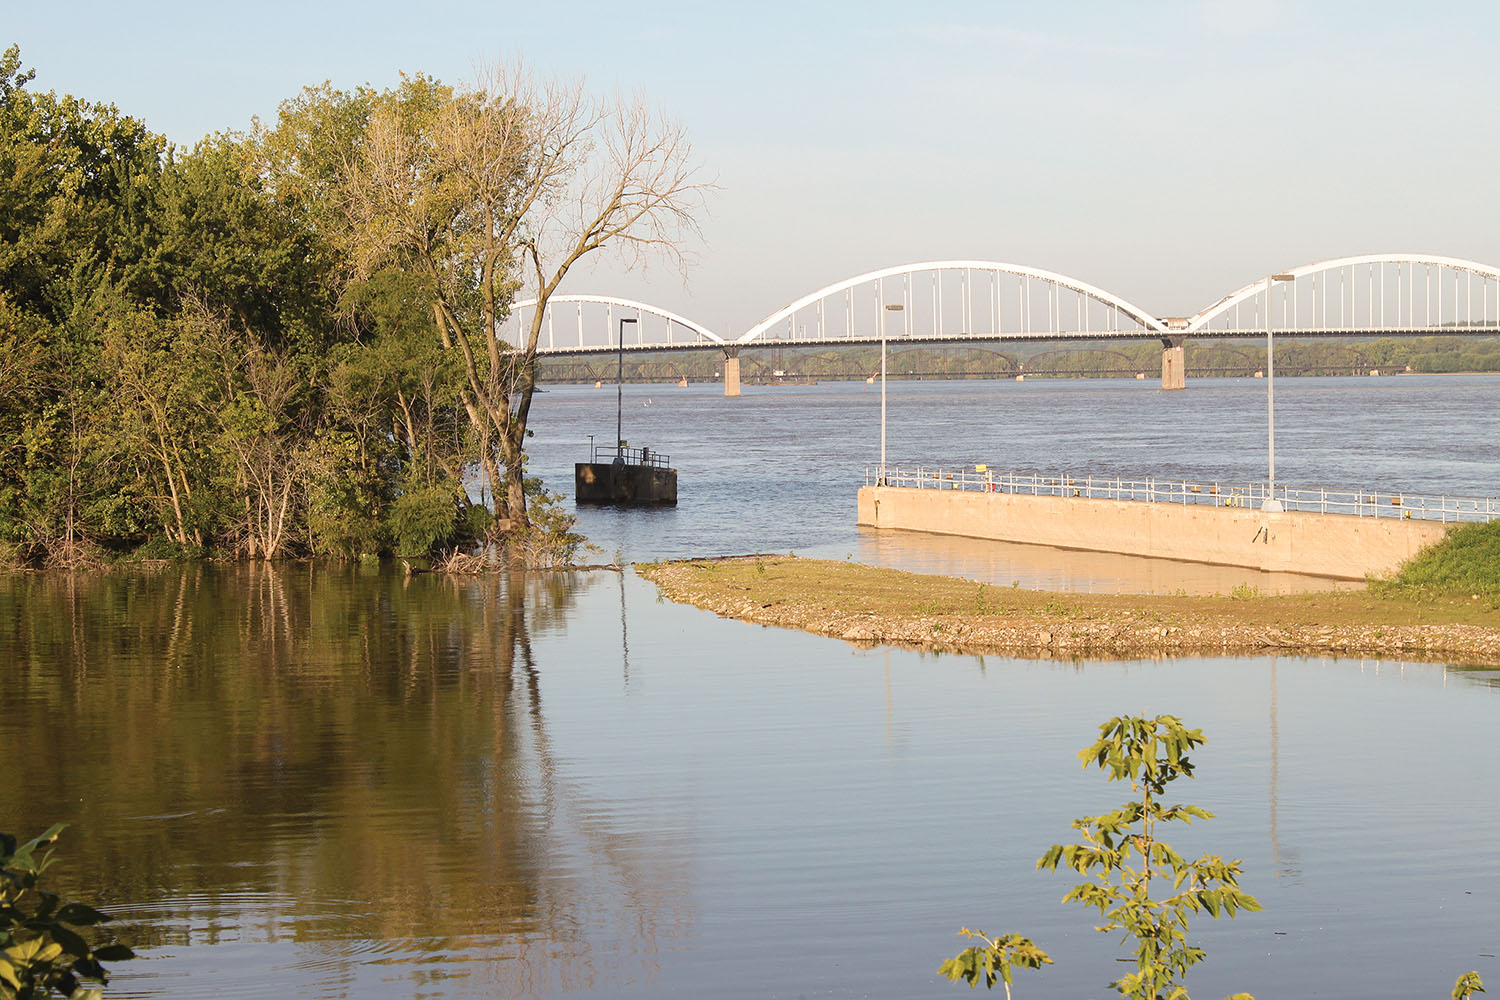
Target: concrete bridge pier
{"type": "Point", "coordinates": [1173, 364]}
{"type": "Point", "coordinates": [731, 371]}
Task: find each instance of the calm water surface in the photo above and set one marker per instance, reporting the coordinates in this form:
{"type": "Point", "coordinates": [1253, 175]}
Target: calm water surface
{"type": "Point", "coordinates": [776, 470]}
{"type": "Point", "coordinates": [312, 782]}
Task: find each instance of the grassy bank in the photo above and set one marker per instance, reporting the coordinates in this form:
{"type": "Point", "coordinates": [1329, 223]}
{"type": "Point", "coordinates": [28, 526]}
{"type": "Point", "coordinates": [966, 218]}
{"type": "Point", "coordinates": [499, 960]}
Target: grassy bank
{"type": "Point", "coordinates": [866, 605]}
{"type": "Point", "coordinates": [1465, 562]}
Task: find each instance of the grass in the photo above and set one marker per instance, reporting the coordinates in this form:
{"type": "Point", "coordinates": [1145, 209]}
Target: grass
{"type": "Point", "coordinates": [856, 588]}
{"type": "Point", "coordinates": [1465, 563]}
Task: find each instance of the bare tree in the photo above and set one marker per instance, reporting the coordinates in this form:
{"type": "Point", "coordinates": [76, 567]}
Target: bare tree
{"type": "Point", "coordinates": [632, 190]}
{"type": "Point", "coordinates": [501, 188]}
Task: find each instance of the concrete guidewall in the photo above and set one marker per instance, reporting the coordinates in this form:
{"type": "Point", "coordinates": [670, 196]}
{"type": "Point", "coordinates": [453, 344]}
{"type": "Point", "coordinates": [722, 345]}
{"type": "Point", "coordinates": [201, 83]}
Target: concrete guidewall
{"type": "Point", "coordinates": [1333, 545]}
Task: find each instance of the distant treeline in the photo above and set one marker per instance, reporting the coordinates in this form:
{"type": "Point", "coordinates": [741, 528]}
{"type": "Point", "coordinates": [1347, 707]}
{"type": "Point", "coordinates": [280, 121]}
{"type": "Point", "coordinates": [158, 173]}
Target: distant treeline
{"type": "Point", "coordinates": [1123, 359]}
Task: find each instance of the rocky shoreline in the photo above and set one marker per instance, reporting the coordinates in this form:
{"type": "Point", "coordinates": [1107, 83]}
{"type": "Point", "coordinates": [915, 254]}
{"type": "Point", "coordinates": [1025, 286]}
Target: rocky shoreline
{"type": "Point", "coordinates": [865, 606]}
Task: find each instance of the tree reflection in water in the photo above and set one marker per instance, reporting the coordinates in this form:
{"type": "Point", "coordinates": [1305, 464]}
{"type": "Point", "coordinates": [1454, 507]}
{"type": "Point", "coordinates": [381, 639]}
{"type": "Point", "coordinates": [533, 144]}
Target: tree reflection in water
{"type": "Point", "coordinates": [352, 760]}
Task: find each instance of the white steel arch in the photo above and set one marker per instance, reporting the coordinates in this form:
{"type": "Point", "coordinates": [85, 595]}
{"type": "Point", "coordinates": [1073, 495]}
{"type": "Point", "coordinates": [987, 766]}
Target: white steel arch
{"type": "Point", "coordinates": [550, 343]}
{"type": "Point", "coordinates": [1202, 319]}
{"type": "Point", "coordinates": [1134, 312]}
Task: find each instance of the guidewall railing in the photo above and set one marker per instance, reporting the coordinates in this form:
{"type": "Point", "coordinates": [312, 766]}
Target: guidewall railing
{"type": "Point", "coordinates": [1214, 493]}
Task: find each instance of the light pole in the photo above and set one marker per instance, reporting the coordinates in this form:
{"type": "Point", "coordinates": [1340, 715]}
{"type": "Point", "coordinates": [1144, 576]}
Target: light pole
{"type": "Point", "coordinates": [620, 396]}
{"type": "Point", "coordinates": [1271, 504]}
{"type": "Point", "coordinates": [883, 317]}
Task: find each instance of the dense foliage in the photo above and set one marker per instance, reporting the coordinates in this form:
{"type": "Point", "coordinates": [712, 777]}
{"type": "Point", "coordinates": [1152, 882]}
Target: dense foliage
{"type": "Point", "coordinates": [287, 342]}
{"type": "Point", "coordinates": [187, 366]}
{"type": "Point", "coordinates": [43, 948]}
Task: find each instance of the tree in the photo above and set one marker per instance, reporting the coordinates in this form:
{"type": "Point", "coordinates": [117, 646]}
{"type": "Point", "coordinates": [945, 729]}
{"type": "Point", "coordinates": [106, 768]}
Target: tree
{"type": "Point", "coordinates": [263, 425]}
{"type": "Point", "coordinates": [159, 418]}
{"type": "Point", "coordinates": [1123, 857]}
{"type": "Point", "coordinates": [395, 394]}
{"type": "Point", "coordinates": [292, 341]}
{"type": "Point", "coordinates": [78, 180]}
{"type": "Point", "coordinates": [499, 189]}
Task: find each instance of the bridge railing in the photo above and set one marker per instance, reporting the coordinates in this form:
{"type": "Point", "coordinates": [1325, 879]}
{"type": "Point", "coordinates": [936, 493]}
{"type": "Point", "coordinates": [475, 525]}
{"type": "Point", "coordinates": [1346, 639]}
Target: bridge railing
{"type": "Point", "coordinates": [1359, 503]}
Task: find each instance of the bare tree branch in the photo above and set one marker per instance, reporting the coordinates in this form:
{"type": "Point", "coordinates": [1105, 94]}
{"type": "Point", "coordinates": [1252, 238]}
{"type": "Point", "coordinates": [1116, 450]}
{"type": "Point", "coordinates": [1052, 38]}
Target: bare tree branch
{"type": "Point", "coordinates": [498, 189]}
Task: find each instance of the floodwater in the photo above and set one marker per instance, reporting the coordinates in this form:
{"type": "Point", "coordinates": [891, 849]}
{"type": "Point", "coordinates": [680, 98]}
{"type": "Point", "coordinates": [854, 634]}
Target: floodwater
{"type": "Point", "coordinates": [321, 782]}
{"type": "Point", "coordinates": [777, 469]}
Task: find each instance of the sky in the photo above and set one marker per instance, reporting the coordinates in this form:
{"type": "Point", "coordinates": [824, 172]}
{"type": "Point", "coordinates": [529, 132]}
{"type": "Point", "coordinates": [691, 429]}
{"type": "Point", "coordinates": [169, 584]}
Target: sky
{"type": "Point", "coordinates": [1168, 152]}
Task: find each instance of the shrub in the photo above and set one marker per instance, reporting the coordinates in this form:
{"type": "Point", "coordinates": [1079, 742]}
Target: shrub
{"type": "Point", "coordinates": [42, 951]}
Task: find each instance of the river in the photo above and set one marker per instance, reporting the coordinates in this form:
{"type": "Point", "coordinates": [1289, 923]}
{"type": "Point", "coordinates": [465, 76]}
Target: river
{"type": "Point", "coordinates": [327, 782]}
{"type": "Point", "coordinates": [777, 470]}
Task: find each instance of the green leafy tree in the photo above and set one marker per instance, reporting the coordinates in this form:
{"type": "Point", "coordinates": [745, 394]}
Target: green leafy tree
{"type": "Point", "coordinates": [1126, 860]}
{"type": "Point", "coordinates": [396, 382]}
{"type": "Point", "coordinates": [43, 949]}
{"type": "Point", "coordinates": [78, 182]}
{"type": "Point", "coordinates": [994, 959]}
{"type": "Point", "coordinates": [1467, 985]}
{"type": "Point", "coordinates": [159, 386]}
{"type": "Point", "coordinates": [397, 394]}
{"type": "Point", "coordinates": [1122, 855]}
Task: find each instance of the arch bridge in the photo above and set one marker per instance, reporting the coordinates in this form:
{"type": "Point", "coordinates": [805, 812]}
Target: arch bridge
{"type": "Point", "coordinates": [952, 301]}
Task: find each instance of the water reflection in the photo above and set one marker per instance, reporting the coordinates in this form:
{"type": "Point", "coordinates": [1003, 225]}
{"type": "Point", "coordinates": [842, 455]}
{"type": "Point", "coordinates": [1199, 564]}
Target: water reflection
{"type": "Point", "coordinates": [302, 783]}
{"type": "Point", "coordinates": [1042, 567]}
{"type": "Point", "coordinates": [292, 754]}
{"type": "Point", "coordinates": [1283, 859]}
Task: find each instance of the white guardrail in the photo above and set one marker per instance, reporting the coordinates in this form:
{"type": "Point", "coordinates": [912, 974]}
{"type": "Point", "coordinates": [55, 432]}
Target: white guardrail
{"type": "Point", "coordinates": [1360, 503]}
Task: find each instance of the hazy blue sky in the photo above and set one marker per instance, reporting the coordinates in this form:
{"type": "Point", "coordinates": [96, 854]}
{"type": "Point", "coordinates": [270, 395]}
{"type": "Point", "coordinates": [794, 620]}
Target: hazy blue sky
{"type": "Point", "coordinates": [1168, 152]}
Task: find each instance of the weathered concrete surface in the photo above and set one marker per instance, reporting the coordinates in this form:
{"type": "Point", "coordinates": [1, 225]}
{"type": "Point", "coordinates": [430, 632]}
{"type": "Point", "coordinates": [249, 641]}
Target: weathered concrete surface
{"type": "Point", "coordinates": [1173, 365]}
{"type": "Point", "coordinates": [610, 483]}
{"type": "Point", "coordinates": [732, 376]}
{"type": "Point", "coordinates": [1333, 545]}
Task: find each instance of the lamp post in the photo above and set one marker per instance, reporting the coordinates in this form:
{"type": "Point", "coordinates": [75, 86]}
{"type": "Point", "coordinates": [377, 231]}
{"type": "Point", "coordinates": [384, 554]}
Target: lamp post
{"type": "Point", "coordinates": [1271, 505]}
{"type": "Point", "coordinates": [620, 396]}
{"type": "Point", "coordinates": [883, 317]}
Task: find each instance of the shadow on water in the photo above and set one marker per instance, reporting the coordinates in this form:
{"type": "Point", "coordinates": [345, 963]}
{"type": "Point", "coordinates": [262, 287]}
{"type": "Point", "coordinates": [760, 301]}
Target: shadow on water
{"type": "Point", "coordinates": [342, 759]}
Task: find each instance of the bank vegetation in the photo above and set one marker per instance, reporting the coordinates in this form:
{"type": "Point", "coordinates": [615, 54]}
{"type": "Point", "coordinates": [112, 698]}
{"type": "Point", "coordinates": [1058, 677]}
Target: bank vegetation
{"type": "Point", "coordinates": [289, 341]}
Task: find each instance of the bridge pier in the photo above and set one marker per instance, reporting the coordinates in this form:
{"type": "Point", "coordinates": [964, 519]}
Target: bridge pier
{"type": "Point", "coordinates": [731, 371]}
{"type": "Point", "coordinates": [1173, 364]}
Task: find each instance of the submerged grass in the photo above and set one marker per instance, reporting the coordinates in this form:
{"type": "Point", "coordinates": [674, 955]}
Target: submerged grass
{"type": "Point", "coordinates": [853, 587]}
{"type": "Point", "coordinates": [865, 603]}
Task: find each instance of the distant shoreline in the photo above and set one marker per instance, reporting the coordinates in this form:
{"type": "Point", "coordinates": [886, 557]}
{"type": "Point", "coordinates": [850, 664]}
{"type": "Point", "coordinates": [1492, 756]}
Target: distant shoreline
{"type": "Point", "coordinates": [765, 382]}
{"type": "Point", "coordinates": [869, 606]}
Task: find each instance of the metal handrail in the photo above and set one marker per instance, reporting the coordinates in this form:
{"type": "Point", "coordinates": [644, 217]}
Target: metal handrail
{"type": "Point", "coordinates": [606, 454]}
{"type": "Point", "coordinates": [1359, 503]}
